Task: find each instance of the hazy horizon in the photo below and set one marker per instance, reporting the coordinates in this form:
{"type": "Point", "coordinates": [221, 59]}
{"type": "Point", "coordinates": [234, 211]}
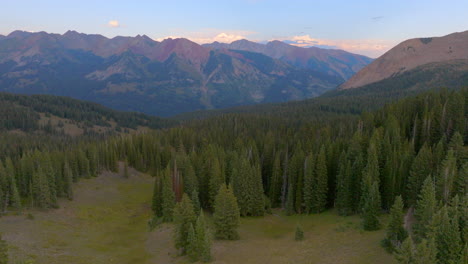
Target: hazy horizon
{"type": "Point", "coordinates": [361, 27]}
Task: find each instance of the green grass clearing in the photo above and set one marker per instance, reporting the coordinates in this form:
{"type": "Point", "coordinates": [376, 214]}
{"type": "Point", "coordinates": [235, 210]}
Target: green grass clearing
{"type": "Point", "coordinates": [107, 223]}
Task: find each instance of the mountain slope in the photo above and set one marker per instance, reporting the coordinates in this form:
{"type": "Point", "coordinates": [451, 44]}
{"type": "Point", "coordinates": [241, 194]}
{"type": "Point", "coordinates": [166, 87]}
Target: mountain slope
{"type": "Point", "coordinates": [450, 75]}
{"type": "Point", "coordinates": [411, 54]}
{"type": "Point", "coordinates": [160, 78]}
{"type": "Point", "coordinates": [335, 62]}
{"type": "Point", "coordinates": [45, 112]}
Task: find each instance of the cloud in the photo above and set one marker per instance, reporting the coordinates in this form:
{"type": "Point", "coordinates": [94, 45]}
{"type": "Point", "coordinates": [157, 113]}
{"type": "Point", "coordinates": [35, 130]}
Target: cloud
{"type": "Point", "coordinates": [377, 18]}
{"type": "Point", "coordinates": [368, 47]}
{"type": "Point", "coordinates": [113, 24]}
{"type": "Point", "coordinates": [210, 35]}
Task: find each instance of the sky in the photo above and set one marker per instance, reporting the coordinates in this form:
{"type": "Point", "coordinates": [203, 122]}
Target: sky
{"type": "Point", "coordinates": [367, 27]}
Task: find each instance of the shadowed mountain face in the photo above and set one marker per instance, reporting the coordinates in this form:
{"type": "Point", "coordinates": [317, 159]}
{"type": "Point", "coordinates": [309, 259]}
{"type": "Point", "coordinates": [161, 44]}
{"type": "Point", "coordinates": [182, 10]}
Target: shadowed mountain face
{"type": "Point", "coordinates": [413, 53]}
{"type": "Point", "coordinates": [161, 78]}
{"type": "Point", "coordinates": [335, 62]}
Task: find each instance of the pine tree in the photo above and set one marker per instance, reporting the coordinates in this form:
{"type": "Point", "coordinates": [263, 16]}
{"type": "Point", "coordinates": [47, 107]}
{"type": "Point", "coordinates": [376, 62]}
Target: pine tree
{"type": "Point", "coordinates": [447, 237]}
{"type": "Point", "coordinates": [289, 206]}
{"type": "Point", "coordinates": [372, 209]}
{"type": "Point", "coordinates": [275, 182]}
{"type": "Point", "coordinates": [257, 202]}
{"type": "Point", "coordinates": [456, 144]}
{"type": "Point", "coordinates": [156, 202]}
{"type": "Point", "coordinates": [464, 257]}
{"type": "Point", "coordinates": [226, 214]}
{"type": "Point", "coordinates": [248, 188]}
{"type": "Point", "coordinates": [321, 182]}
{"type": "Point", "coordinates": [396, 233]}
{"type": "Point", "coordinates": [195, 201]}
{"type": "Point", "coordinates": [203, 240]}
{"type": "Point", "coordinates": [420, 169]}
{"type": "Point", "coordinates": [190, 178]}
{"type": "Point", "coordinates": [426, 252]}
{"type": "Point", "coordinates": [215, 179]}
{"type": "Point", "coordinates": [167, 197]}
{"type": "Point", "coordinates": [309, 194]}
{"type": "Point", "coordinates": [68, 181]}
{"type": "Point", "coordinates": [40, 189]}
{"type": "Point", "coordinates": [343, 201]}
{"type": "Point", "coordinates": [447, 177]}
{"type": "Point", "coordinates": [192, 250]}
{"type": "Point", "coordinates": [184, 217]}
{"type": "Point", "coordinates": [370, 175]}
{"type": "Point", "coordinates": [11, 192]}
{"type": "Point", "coordinates": [405, 254]}
{"type": "Point", "coordinates": [425, 208]}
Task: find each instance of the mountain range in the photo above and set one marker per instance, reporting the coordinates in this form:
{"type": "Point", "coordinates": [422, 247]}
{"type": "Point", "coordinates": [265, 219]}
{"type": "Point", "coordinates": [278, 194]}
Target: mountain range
{"type": "Point", "coordinates": [168, 77]}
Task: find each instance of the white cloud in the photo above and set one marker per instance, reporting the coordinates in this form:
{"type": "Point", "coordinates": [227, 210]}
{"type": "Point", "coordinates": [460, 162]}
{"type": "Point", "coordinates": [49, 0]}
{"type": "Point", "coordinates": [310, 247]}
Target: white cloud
{"type": "Point", "coordinates": [210, 35]}
{"type": "Point", "coordinates": [113, 24]}
{"type": "Point", "coordinates": [368, 47]}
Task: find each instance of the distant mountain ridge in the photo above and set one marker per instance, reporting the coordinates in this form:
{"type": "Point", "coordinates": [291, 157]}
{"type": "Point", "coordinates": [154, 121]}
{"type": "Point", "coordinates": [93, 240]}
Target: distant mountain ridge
{"type": "Point", "coordinates": [410, 54]}
{"type": "Point", "coordinates": [331, 61]}
{"type": "Point", "coordinates": [161, 78]}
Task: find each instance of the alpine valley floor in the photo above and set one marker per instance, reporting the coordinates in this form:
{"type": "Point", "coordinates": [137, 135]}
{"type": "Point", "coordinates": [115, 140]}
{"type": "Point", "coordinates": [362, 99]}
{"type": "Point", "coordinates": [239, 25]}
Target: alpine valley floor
{"type": "Point", "coordinates": [112, 228]}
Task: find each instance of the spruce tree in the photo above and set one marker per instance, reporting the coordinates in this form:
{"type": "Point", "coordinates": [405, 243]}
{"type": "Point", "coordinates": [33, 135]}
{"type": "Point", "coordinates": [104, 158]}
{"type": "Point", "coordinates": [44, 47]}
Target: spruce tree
{"type": "Point", "coordinates": [215, 179]}
{"type": "Point", "coordinates": [420, 169]}
{"type": "Point", "coordinates": [192, 247]}
{"type": "Point", "coordinates": [167, 197]}
{"type": "Point", "coordinates": [372, 209]}
{"type": "Point", "coordinates": [370, 175]}
{"type": "Point", "coordinates": [257, 201]}
{"type": "Point", "coordinates": [289, 206]}
{"type": "Point", "coordinates": [426, 252]}
{"type": "Point", "coordinates": [275, 182]}
{"type": "Point", "coordinates": [396, 233]}
{"type": "Point", "coordinates": [190, 178]}
{"type": "Point", "coordinates": [343, 201]}
{"type": "Point", "coordinates": [68, 181]}
{"type": "Point", "coordinates": [321, 182]}
{"type": "Point", "coordinates": [248, 188]}
{"type": "Point", "coordinates": [405, 253]}
{"type": "Point", "coordinates": [203, 240]}
{"type": "Point", "coordinates": [309, 183]}
{"type": "Point", "coordinates": [156, 203]}
{"type": "Point", "coordinates": [184, 217]}
{"type": "Point", "coordinates": [226, 214]}
{"type": "Point", "coordinates": [447, 177]}
{"type": "Point", "coordinates": [195, 201]}
{"type": "Point", "coordinates": [425, 208]}
{"type": "Point", "coordinates": [447, 237]}
{"type": "Point", "coordinates": [464, 257]}
{"type": "Point", "coordinates": [13, 198]}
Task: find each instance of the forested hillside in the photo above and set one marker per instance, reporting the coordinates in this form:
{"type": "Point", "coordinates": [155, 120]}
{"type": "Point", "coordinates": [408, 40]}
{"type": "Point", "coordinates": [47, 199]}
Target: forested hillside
{"type": "Point", "coordinates": [367, 98]}
{"type": "Point", "coordinates": [410, 154]}
{"type": "Point", "coordinates": [24, 113]}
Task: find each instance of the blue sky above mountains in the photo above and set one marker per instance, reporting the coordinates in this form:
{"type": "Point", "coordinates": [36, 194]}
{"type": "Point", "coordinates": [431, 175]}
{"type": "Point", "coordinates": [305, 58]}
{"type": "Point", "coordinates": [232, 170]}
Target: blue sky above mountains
{"type": "Point", "coordinates": [363, 26]}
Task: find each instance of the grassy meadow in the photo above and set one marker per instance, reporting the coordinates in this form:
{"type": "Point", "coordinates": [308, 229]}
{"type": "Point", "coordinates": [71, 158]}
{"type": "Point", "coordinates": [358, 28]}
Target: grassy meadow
{"type": "Point", "coordinates": [107, 223]}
